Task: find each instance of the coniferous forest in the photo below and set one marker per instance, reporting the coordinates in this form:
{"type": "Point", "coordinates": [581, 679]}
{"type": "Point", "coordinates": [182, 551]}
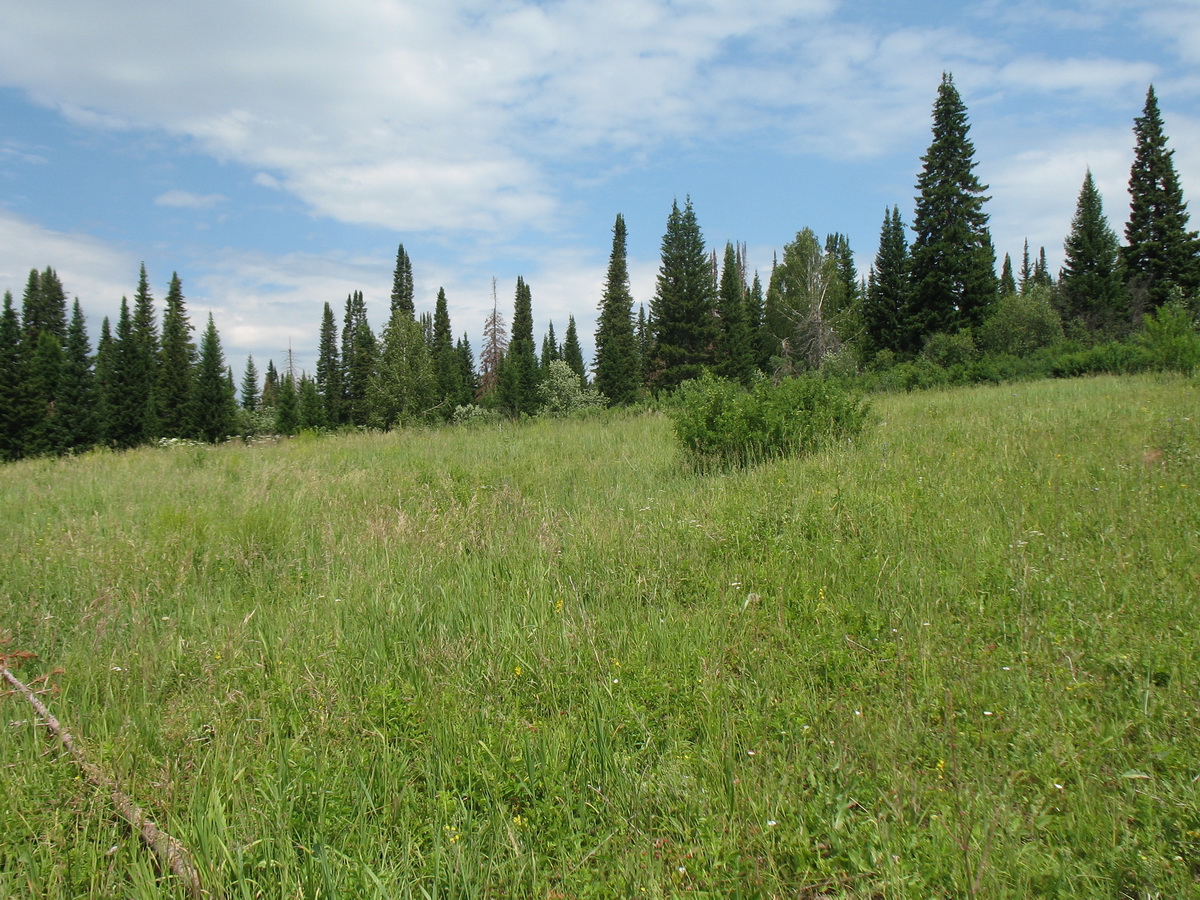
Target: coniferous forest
{"type": "Point", "coordinates": [932, 310]}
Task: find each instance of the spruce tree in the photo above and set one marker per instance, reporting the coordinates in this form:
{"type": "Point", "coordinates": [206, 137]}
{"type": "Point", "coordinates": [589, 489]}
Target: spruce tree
{"type": "Point", "coordinates": [44, 307]}
{"type": "Point", "coordinates": [329, 370]}
{"type": "Point", "coordinates": [402, 284]}
{"type": "Point", "coordinates": [1008, 284]}
{"type": "Point", "coordinates": [685, 328]}
{"type": "Point", "coordinates": [102, 370]}
{"type": "Point", "coordinates": [885, 310]}
{"type": "Point", "coordinates": [953, 264]}
{"type": "Point", "coordinates": [617, 375]}
{"type": "Point", "coordinates": [287, 409]}
{"type": "Point", "coordinates": [270, 391]}
{"type": "Point", "coordinates": [127, 387]}
{"type": "Point", "coordinates": [213, 406]}
{"type": "Point", "coordinates": [550, 351]}
{"type": "Point", "coordinates": [250, 395]}
{"type": "Point", "coordinates": [735, 349]}
{"type": "Point", "coordinates": [15, 408]}
{"type": "Point", "coordinates": [1089, 288]}
{"type": "Point", "coordinates": [1026, 280]}
{"type": "Point", "coordinates": [469, 378]}
{"type": "Point", "coordinates": [1160, 253]}
{"type": "Point", "coordinates": [447, 367]}
{"type": "Point", "coordinates": [43, 373]}
{"type": "Point", "coordinates": [403, 387]}
{"type": "Point", "coordinates": [143, 354]}
{"type": "Point", "coordinates": [311, 410]}
{"type": "Point", "coordinates": [519, 375]}
{"type": "Point", "coordinates": [176, 362]}
{"type": "Point", "coordinates": [359, 348]}
{"type": "Point", "coordinates": [77, 396]}
{"type": "Point", "coordinates": [572, 353]}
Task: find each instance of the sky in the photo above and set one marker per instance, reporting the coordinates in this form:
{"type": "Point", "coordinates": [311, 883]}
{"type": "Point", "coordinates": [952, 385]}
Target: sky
{"type": "Point", "coordinates": [275, 160]}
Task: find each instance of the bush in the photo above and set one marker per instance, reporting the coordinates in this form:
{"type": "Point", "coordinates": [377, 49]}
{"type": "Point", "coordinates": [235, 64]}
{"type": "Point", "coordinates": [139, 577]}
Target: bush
{"type": "Point", "coordinates": [562, 392]}
{"type": "Point", "coordinates": [946, 350]}
{"type": "Point", "coordinates": [721, 424]}
{"type": "Point", "coordinates": [1169, 338]}
{"type": "Point", "coordinates": [475, 415]}
{"type": "Point", "coordinates": [1021, 323]}
{"type": "Point", "coordinates": [1113, 358]}
{"type": "Point", "coordinates": [911, 376]}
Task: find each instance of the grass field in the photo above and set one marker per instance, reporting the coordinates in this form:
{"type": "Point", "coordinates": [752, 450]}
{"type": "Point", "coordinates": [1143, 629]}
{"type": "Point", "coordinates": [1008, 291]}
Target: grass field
{"type": "Point", "coordinates": [958, 658]}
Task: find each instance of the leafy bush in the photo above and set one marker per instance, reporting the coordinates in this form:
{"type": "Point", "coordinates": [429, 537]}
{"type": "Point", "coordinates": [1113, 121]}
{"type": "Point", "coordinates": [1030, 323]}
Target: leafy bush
{"type": "Point", "coordinates": [911, 376]}
{"type": "Point", "coordinates": [1021, 323]}
{"type": "Point", "coordinates": [472, 414]}
{"type": "Point", "coordinates": [563, 393]}
{"type": "Point", "coordinates": [721, 424]}
{"type": "Point", "coordinates": [1112, 358]}
{"type": "Point", "coordinates": [1169, 338]}
{"type": "Point", "coordinates": [946, 350]}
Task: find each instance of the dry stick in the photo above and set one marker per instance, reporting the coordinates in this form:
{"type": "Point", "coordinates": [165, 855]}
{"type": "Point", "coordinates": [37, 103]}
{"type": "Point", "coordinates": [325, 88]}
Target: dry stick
{"type": "Point", "coordinates": [172, 853]}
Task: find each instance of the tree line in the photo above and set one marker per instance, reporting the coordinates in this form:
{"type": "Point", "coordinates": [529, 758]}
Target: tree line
{"type": "Point", "coordinates": [937, 297]}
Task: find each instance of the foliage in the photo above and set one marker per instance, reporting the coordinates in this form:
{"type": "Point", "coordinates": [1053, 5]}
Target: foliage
{"type": "Point", "coordinates": [684, 327]}
{"type": "Point", "coordinates": [886, 305]}
{"type": "Point", "coordinates": [952, 261]}
{"type": "Point", "coordinates": [1090, 288]}
{"type": "Point", "coordinates": [562, 393]}
{"type": "Point", "coordinates": [1170, 339]}
{"type": "Point", "coordinates": [1020, 324]}
{"type": "Point", "coordinates": [721, 424]}
{"type": "Point", "coordinates": [735, 341]}
{"type": "Point", "coordinates": [214, 409]}
{"type": "Point", "coordinates": [945, 350]}
{"type": "Point", "coordinates": [617, 375]}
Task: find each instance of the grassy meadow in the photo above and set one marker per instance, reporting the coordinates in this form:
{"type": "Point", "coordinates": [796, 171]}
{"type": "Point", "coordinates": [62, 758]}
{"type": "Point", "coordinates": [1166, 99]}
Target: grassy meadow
{"type": "Point", "coordinates": [958, 658]}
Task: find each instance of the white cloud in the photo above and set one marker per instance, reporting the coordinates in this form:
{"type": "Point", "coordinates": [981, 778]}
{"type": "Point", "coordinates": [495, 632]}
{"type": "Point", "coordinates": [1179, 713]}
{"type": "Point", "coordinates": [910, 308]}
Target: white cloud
{"type": "Point", "coordinates": [188, 200]}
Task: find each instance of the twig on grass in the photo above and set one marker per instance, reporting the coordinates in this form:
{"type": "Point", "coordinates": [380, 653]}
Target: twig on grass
{"type": "Point", "coordinates": [170, 852]}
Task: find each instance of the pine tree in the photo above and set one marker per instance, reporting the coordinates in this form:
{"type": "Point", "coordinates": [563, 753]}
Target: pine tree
{"type": "Point", "coordinates": [550, 351]}
{"type": "Point", "coordinates": [329, 370]}
{"type": "Point", "coordinates": [1089, 287]}
{"type": "Point", "coordinates": [886, 307]}
{"type": "Point", "coordinates": [495, 348]}
{"type": "Point", "coordinates": [1008, 284]}
{"type": "Point", "coordinates": [402, 284]}
{"type": "Point", "coordinates": [469, 379]}
{"type": "Point", "coordinates": [685, 329]}
{"type": "Point", "coordinates": [572, 353]}
{"type": "Point", "coordinates": [43, 374]}
{"type": "Point", "coordinates": [15, 405]}
{"type": "Point", "coordinates": [311, 410]}
{"type": "Point", "coordinates": [127, 387]}
{"type": "Point", "coordinates": [359, 349]}
{"type": "Point", "coordinates": [518, 388]}
{"type": "Point", "coordinates": [617, 374]}
{"type": "Point", "coordinates": [1041, 271]}
{"type": "Point", "coordinates": [644, 338]}
{"type": "Point", "coordinates": [1160, 253]}
{"type": "Point", "coordinates": [144, 352]}
{"type": "Point", "coordinates": [953, 264]}
{"type": "Point", "coordinates": [1026, 279]}
{"type": "Point", "coordinates": [447, 367]}
{"type": "Point", "coordinates": [735, 349]}
{"type": "Point", "coordinates": [250, 395]}
{"type": "Point", "coordinates": [102, 379]}
{"type": "Point", "coordinates": [270, 391]}
{"type": "Point", "coordinates": [77, 396]}
{"type": "Point", "coordinates": [213, 406]}
{"type": "Point", "coordinates": [44, 307]}
{"type": "Point", "coordinates": [287, 409]}
{"type": "Point", "coordinates": [176, 361]}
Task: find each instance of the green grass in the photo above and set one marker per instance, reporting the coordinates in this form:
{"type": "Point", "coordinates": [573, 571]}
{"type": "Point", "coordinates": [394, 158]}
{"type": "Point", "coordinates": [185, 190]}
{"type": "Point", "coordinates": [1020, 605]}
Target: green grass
{"type": "Point", "coordinates": [957, 658]}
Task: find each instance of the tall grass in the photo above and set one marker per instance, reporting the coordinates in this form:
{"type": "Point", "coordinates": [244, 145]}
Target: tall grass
{"type": "Point", "coordinates": [958, 658]}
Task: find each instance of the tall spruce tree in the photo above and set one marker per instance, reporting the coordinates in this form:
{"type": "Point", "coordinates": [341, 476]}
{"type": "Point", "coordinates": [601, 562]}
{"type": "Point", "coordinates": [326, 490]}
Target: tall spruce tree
{"type": "Point", "coordinates": [359, 349]}
{"type": "Point", "coordinates": [1159, 253]}
{"type": "Point", "coordinates": [1008, 283]}
{"type": "Point", "coordinates": [519, 375]}
{"type": "Point", "coordinates": [466, 367]}
{"type": "Point", "coordinates": [953, 263]}
{"type": "Point", "coordinates": [886, 306]}
{"type": "Point", "coordinates": [213, 406]}
{"type": "Point", "coordinates": [617, 375]}
{"type": "Point", "coordinates": [1089, 288]}
{"type": "Point", "coordinates": [15, 407]}
{"type": "Point", "coordinates": [447, 368]}
{"type": "Point", "coordinates": [550, 350]}
{"type": "Point", "coordinates": [144, 351]}
{"type": "Point", "coordinates": [572, 352]}
{"type": "Point", "coordinates": [77, 396]}
{"type": "Point", "coordinates": [682, 311]}
{"type": "Point", "coordinates": [44, 307]}
{"type": "Point", "coordinates": [250, 394]}
{"type": "Point", "coordinates": [310, 409]}
{"type": "Point", "coordinates": [270, 391]}
{"type": "Point", "coordinates": [43, 373]}
{"type": "Point", "coordinates": [176, 364]}
{"type": "Point", "coordinates": [127, 387]}
{"type": "Point", "coordinates": [329, 370]}
{"type": "Point", "coordinates": [287, 409]}
{"type": "Point", "coordinates": [735, 348]}
{"type": "Point", "coordinates": [402, 284]}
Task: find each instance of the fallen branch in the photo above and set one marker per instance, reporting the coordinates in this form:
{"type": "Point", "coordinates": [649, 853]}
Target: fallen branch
{"type": "Point", "coordinates": [170, 852]}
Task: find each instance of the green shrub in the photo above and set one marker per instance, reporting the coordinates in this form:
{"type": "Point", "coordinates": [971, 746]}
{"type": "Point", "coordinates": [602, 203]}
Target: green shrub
{"type": "Point", "coordinates": [721, 424]}
{"type": "Point", "coordinates": [946, 350]}
{"type": "Point", "coordinates": [1021, 323]}
{"type": "Point", "coordinates": [1112, 358]}
{"type": "Point", "coordinates": [562, 392]}
{"type": "Point", "coordinates": [1169, 338]}
{"type": "Point", "coordinates": [910, 376]}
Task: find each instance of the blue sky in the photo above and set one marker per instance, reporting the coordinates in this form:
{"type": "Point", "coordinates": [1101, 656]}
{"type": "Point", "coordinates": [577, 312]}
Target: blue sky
{"type": "Point", "coordinates": [276, 160]}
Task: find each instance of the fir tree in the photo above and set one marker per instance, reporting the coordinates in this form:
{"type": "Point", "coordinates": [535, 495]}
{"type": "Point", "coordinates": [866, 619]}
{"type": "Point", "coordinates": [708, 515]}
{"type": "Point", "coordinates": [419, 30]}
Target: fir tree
{"type": "Point", "coordinates": [15, 406]}
{"type": "Point", "coordinates": [311, 410]}
{"type": "Point", "coordinates": [176, 361]}
{"type": "Point", "coordinates": [447, 368]}
{"type": "Point", "coordinates": [1026, 281]}
{"type": "Point", "coordinates": [43, 374]}
{"type": "Point", "coordinates": [572, 353]}
{"type": "Point", "coordinates": [1089, 286]}
{"type": "Point", "coordinates": [44, 307]}
{"type": "Point", "coordinates": [519, 375]}
{"type": "Point", "coordinates": [250, 395]}
{"type": "Point", "coordinates": [495, 347]}
{"type": "Point", "coordinates": [550, 351]}
{"type": "Point", "coordinates": [1008, 284]}
{"type": "Point", "coordinates": [359, 349]}
{"type": "Point", "coordinates": [469, 379]}
{"type": "Point", "coordinates": [143, 354]}
{"type": "Point", "coordinates": [1160, 253]}
{"type": "Point", "coordinates": [644, 339]}
{"type": "Point", "coordinates": [77, 396]}
{"type": "Point", "coordinates": [102, 372]}
{"type": "Point", "coordinates": [213, 406]}
{"type": "Point", "coordinates": [329, 370]}
{"type": "Point", "coordinates": [127, 392]}
{"type": "Point", "coordinates": [402, 284]}
{"type": "Point", "coordinates": [1041, 271]}
{"type": "Point", "coordinates": [735, 350]}
{"type": "Point", "coordinates": [617, 374]}
{"type": "Point", "coordinates": [885, 310]}
{"type": "Point", "coordinates": [953, 264]}
{"type": "Point", "coordinates": [685, 329]}
{"type": "Point", "coordinates": [287, 410]}
{"type": "Point", "coordinates": [270, 391]}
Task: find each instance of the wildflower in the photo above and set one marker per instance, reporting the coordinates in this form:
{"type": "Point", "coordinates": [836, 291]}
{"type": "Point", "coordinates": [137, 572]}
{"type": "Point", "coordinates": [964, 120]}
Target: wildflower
{"type": "Point", "coordinates": [518, 821]}
{"type": "Point", "coordinates": [517, 671]}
